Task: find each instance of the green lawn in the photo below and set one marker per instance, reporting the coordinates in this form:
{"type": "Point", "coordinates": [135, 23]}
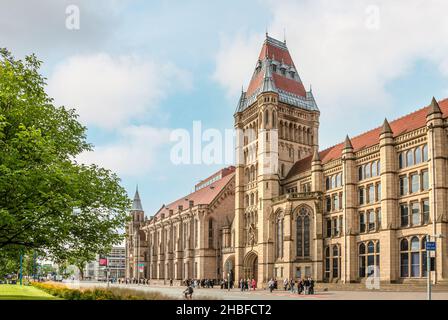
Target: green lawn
{"type": "Point", "coordinates": [17, 292]}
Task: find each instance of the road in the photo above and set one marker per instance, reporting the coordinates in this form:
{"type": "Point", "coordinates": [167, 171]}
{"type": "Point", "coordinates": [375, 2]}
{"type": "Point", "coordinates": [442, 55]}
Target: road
{"type": "Point", "coordinates": [260, 294]}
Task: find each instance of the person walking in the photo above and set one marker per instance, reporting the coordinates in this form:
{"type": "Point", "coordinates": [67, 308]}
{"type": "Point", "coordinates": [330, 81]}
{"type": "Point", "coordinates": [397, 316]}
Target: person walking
{"type": "Point", "coordinates": [300, 286]}
{"type": "Point", "coordinates": [254, 284]}
{"type": "Point", "coordinates": [241, 285]}
{"type": "Point", "coordinates": [307, 285]}
{"type": "Point", "coordinates": [189, 293]}
{"type": "Point", "coordinates": [291, 285]}
{"type": "Point", "coordinates": [271, 285]}
{"type": "Point", "coordinates": [311, 286]}
{"type": "Point", "coordinates": [285, 284]}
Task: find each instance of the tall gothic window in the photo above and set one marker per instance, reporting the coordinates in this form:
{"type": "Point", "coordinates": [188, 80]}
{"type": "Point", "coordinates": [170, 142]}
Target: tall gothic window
{"type": "Point", "coordinates": [327, 262]}
{"type": "Point", "coordinates": [210, 233]}
{"type": "Point", "coordinates": [369, 258]}
{"type": "Point", "coordinates": [303, 233]}
{"type": "Point", "coordinates": [279, 232]}
{"type": "Point", "coordinates": [335, 261]}
{"type": "Point", "coordinates": [413, 257]}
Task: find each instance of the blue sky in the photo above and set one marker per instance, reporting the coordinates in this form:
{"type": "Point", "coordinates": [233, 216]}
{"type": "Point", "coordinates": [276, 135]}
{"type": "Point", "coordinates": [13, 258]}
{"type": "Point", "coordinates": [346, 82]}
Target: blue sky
{"type": "Point", "coordinates": [136, 70]}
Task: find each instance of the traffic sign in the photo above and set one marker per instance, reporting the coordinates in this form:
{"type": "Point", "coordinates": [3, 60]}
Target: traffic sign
{"type": "Point", "coordinates": [431, 246]}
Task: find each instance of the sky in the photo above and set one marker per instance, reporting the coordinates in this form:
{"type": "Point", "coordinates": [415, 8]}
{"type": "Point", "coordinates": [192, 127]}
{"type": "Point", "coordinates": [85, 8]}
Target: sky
{"type": "Point", "coordinates": [137, 71]}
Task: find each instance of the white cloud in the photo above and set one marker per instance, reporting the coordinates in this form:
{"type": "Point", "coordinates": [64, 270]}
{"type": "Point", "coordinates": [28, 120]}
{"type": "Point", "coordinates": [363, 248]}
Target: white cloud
{"type": "Point", "coordinates": [236, 60]}
{"type": "Point", "coordinates": [110, 91]}
{"type": "Point", "coordinates": [348, 59]}
{"type": "Point", "coordinates": [133, 154]}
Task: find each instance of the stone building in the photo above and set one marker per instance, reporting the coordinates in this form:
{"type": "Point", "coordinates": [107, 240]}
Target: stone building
{"type": "Point", "coordinates": [364, 206]}
{"type": "Point", "coordinates": [136, 243]}
{"type": "Point", "coordinates": [183, 239]}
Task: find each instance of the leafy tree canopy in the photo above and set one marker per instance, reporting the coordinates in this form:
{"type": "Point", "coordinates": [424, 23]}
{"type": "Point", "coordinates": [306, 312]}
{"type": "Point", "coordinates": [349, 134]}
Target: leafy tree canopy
{"type": "Point", "coordinates": [48, 201]}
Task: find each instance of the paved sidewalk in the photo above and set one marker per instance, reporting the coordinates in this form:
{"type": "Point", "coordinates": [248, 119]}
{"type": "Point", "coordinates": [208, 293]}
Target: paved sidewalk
{"type": "Point", "coordinates": [260, 294]}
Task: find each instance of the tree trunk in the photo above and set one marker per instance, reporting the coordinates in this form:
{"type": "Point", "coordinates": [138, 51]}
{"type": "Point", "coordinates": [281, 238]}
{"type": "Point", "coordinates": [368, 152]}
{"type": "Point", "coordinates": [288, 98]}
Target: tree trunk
{"type": "Point", "coordinates": [81, 270]}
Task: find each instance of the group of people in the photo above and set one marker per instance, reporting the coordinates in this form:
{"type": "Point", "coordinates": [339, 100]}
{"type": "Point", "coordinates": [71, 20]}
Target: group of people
{"type": "Point", "coordinates": [302, 285]}
{"type": "Point", "coordinates": [247, 284]}
{"type": "Point", "coordinates": [133, 281]}
{"type": "Point", "coordinates": [199, 283]}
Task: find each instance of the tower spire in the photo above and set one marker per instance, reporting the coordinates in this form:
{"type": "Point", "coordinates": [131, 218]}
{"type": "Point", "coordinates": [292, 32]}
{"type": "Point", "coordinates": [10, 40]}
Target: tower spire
{"type": "Point", "coordinates": [137, 203]}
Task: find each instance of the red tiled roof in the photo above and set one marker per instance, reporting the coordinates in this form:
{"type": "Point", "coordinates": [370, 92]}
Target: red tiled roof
{"type": "Point", "coordinates": [281, 82]}
{"type": "Point", "coordinates": [370, 138]}
{"type": "Point", "coordinates": [202, 196]}
{"type": "Point", "coordinates": [254, 84]}
{"type": "Point", "coordinates": [289, 85]}
{"type": "Point", "coordinates": [274, 52]}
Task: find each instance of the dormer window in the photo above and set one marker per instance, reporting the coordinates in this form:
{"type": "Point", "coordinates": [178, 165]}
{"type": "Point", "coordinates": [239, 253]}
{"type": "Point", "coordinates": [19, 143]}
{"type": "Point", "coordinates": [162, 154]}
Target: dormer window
{"type": "Point", "coordinates": [181, 208]}
{"type": "Point", "coordinates": [258, 67]}
{"type": "Point", "coordinates": [292, 74]}
{"type": "Point", "coordinates": [274, 68]}
{"type": "Point", "coordinates": [283, 71]}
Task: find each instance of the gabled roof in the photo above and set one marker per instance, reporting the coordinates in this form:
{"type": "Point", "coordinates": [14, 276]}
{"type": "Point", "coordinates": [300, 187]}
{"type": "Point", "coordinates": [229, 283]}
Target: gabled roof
{"type": "Point", "coordinates": [275, 72]}
{"type": "Point", "coordinates": [204, 196]}
{"type": "Point", "coordinates": [410, 122]}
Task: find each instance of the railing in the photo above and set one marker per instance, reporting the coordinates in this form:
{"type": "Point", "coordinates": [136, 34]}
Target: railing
{"type": "Point", "coordinates": [228, 250]}
{"type": "Point", "coordinates": [297, 196]}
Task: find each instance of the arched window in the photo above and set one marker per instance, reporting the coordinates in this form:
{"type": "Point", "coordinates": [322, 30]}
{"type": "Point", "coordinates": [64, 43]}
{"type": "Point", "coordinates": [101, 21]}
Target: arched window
{"type": "Point", "coordinates": [327, 262]}
{"type": "Point", "coordinates": [299, 234]}
{"type": "Point", "coordinates": [374, 169]}
{"type": "Point", "coordinates": [210, 233]}
{"type": "Point", "coordinates": [335, 261]}
{"type": "Point", "coordinates": [400, 161]}
{"type": "Point", "coordinates": [303, 233]}
{"type": "Point", "coordinates": [425, 152]}
{"type": "Point", "coordinates": [369, 258]}
{"type": "Point", "coordinates": [362, 260]}
{"type": "Point", "coordinates": [360, 173]}
{"type": "Point", "coordinates": [418, 155]}
{"type": "Point", "coordinates": [279, 233]}
{"type": "Point", "coordinates": [367, 171]}
{"type": "Point", "coordinates": [266, 117]}
{"type": "Point", "coordinates": [404, 258]}
{"type": "Point", "coordinates": [410, 158]}
{"type": "Point", "coordinates": [327, 183]}
{"type": "Point", "coordinates": [415, 257]}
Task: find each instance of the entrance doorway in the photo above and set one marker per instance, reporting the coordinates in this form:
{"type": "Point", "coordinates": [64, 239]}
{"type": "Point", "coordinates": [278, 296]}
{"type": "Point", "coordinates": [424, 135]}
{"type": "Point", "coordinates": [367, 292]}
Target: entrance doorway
{"type": "Point", "coordinates": [251, 266]}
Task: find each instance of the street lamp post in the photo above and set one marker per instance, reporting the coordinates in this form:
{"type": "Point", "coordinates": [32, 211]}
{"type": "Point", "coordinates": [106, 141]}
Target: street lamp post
{"type": "Point", "coordinates": [428, 271]}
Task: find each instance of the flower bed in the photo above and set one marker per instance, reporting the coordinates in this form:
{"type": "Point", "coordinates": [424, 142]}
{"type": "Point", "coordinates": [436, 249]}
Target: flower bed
{"type": "Point", "coordinates": [64, 292]}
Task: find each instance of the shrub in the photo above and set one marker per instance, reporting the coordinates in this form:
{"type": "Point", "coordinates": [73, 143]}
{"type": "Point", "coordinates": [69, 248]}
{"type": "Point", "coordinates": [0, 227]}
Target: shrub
{"type": "Point", "coordinates": [64, 292]}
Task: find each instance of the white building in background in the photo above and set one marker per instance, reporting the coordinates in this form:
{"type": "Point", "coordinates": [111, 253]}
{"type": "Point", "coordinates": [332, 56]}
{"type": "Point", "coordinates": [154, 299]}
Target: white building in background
{"type": "Point", "coordinates": [116, 264]}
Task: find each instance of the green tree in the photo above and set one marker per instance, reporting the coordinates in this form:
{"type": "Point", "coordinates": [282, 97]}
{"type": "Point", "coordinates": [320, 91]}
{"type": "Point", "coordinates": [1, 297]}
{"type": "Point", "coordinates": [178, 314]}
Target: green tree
{"type": "Point", "coordinates": [49, 201]}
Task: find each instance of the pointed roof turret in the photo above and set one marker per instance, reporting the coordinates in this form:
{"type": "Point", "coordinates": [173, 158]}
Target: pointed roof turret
{"type": "Point", "coordinates": [137, 203]}
{"type": "Point", "coordinates": [434, 107]}
{"type": "Point", "coordinates": [268, 82]}
{"type": "Point", "coordinates": [316, 156]}
{"type": "Point", "coordinates": [276, 72]}
{"type": "Point", "coordinates": [348, 143]}
{"type": "Point", "coordinates": [386, 127]}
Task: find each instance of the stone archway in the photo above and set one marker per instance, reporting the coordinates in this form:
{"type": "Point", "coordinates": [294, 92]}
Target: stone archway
{"type": "Point", "coordinates": [229, 268]}
{"type": "Point", "coordinates": [250, 266]}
